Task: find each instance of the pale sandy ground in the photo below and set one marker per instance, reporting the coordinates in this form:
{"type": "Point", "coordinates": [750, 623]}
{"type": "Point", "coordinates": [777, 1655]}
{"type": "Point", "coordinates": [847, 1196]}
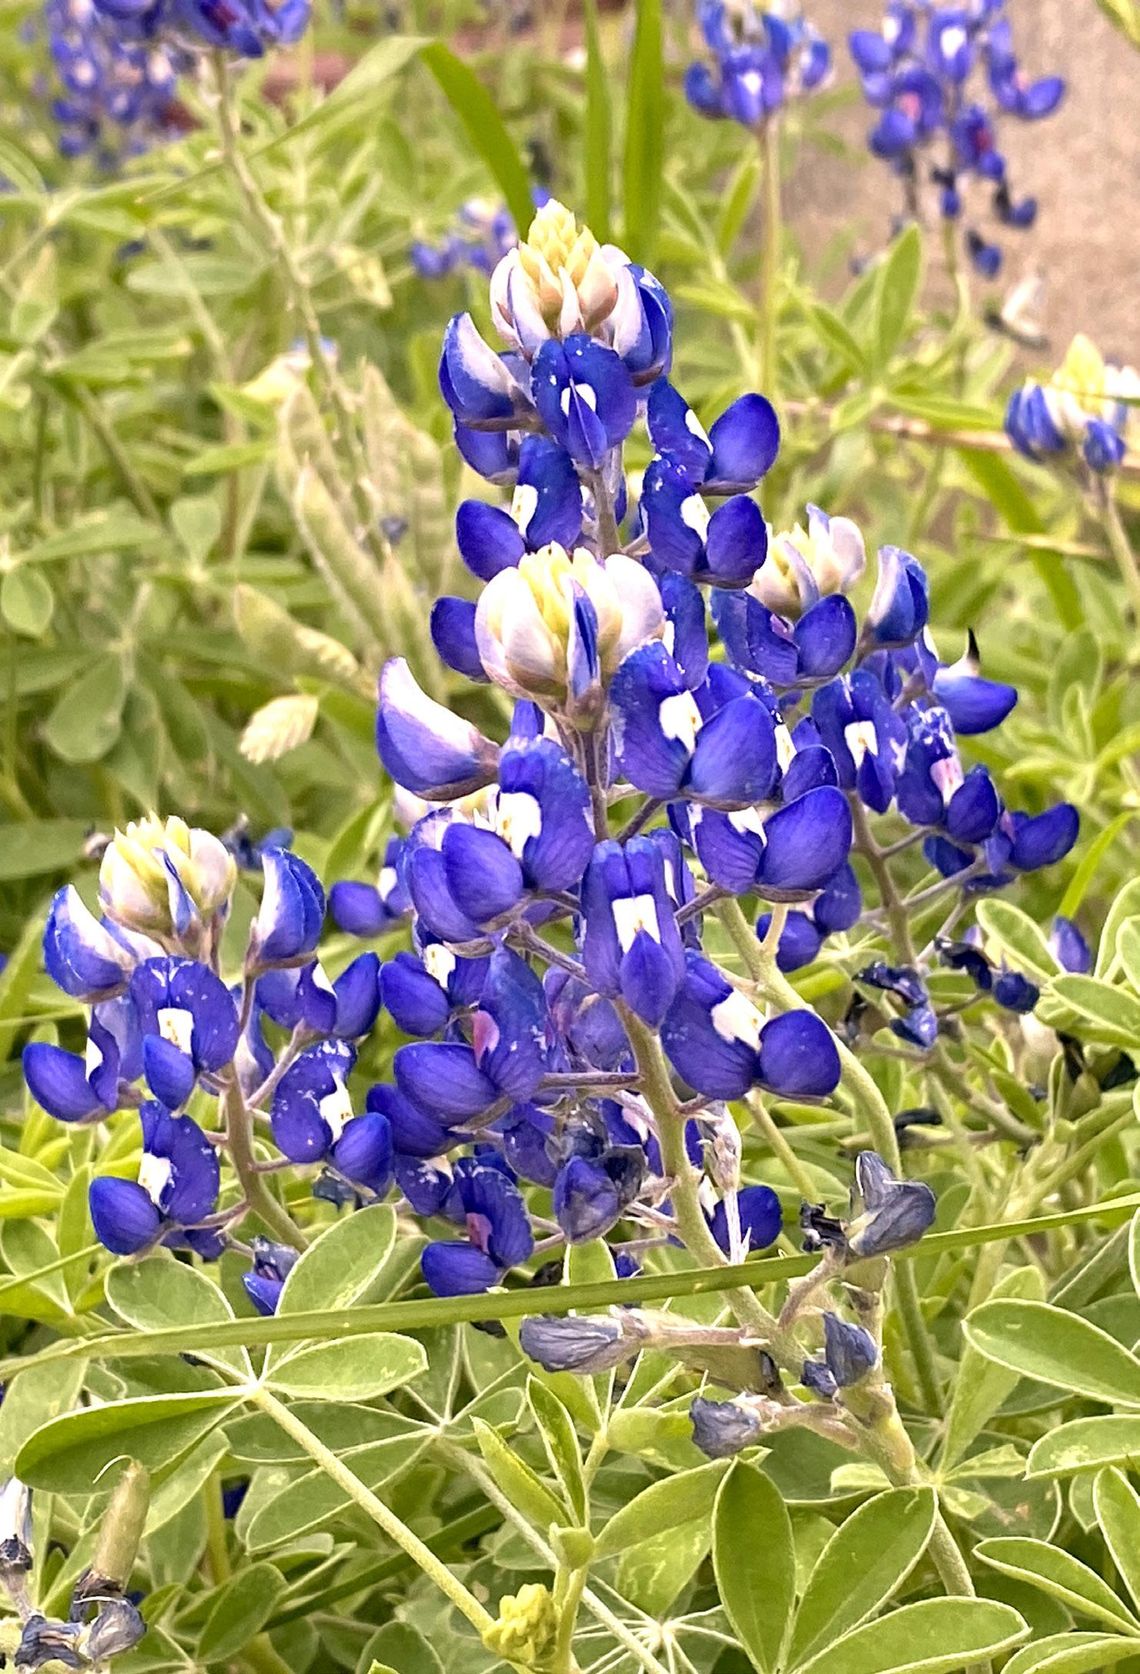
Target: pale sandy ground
{"type": "Point", "coordinates": [1083, 164]}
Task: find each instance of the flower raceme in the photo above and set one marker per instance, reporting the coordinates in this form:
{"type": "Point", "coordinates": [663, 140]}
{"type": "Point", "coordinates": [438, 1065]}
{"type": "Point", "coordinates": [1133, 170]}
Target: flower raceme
{"type": "Point", "coordinates": [760, 61]}
{"type": "Point", "coordinates": [700, 711]}
{"type": "Point", "coordinates": [1086, 407]}
{"type": "Point", "coordinates": [946, 76]}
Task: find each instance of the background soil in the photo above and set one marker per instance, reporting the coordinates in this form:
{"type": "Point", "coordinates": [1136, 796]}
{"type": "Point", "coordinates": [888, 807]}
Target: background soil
{"type": "Point", "coordinates": [1083, 165]}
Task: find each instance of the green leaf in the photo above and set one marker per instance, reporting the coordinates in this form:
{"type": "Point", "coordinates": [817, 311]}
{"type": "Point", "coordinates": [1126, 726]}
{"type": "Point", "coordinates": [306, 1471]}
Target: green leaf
{"type": "Point", "coordinates": [239, 1611]}
{"type": "Point", "coordinates": [38, 846]}
{"type": "Point", "coordinates": [897, 289]}
{"type": "Point", "coordinates": [485, 130]}
{"type": "Point", "coordinates": [356, 1369]}
{"type": "Point", "coordinates": [1125, 905]}
{"type": "Point", "coordinates": [85, 719]}
{"type": "Point", "coordinates": [941, 413]}
{"type": "Point", "coordinates": [663, 1505]}
{"type": "Point", "coordinates": [104, 531]}
{"type": "Point", "coordinates": [1017, 936]}
{"type": "Point", "coordinates": [160, 1291]}
{"type": "Point", "coordinates": [1085, 1444]}
{"type": "Point", "coordinates": [1043, 1342]}
{"type": "Point", "coordinates": [838, 337]}
{"type": "Point", "coordinates": [69, 1454]}
{"type": "Point", "coordinates": [644, 134]}
{"type": "Point", "coordinates": [1070, 1653]}
{"type": "Point", "coordinates": [404, 1650]}
{"type": "Point", "coordinates": [561, 1443]}
{"type": "Point", "coordinates": [1118, 1513]}
{"type": "Point", "coordinates": [981, 1385]}
{"type": "Point", "coordinates": [1061, 1575]}
{"type": "Point", "coordinates": [651, 1574]}
{"type": "Point", "coordinates": [1123, 14]}
{"type": "Point", "coordinates": [599, 131]}
{"type": "Point", "coordinates": [342, 1265]}
{"type": "Point", "coordinates": [526, 1491]}
{"type": "Point", "coordinates": [313, 1499]}
{"type": "Point", "coordinates": [31, 1400]}
{"type": "Point", "coordinates": [1113, 1013]}
{"type": "Point", "coordinates": [865, 1561]}
{"type": "Point", "coordinates": [26, 601]}
{"type": "Point", "coordinates": [1134, 1251]}
{"type": "Point", "coordinates": [755, 1572]}
{"type": "Point", "coordinates": [18, 168]}
{"type": "Point", "coordinates": [933, 1637]}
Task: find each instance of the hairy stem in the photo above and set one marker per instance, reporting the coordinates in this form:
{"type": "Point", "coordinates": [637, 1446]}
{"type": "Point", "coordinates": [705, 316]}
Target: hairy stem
{"type": "Point", "coordinates": [239, 1137]}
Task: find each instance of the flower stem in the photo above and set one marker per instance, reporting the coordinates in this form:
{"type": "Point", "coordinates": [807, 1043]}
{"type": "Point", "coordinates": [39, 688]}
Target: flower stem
{"type": "Point", "coordinates": [889, 896]}
{"type": "Point", "coordinates": [371, 1504]}
{"type": "Point", "coordinates": [239, 1137]}
{"type": "Point", "coordinates": [1119, 544]}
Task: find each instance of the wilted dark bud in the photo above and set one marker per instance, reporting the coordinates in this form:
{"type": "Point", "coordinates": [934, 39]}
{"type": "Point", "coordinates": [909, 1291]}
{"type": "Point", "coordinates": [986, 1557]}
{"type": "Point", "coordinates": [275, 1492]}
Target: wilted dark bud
{"type": "Point", "coordinates": [722, 1428]}
{"type": "Point", "coordinates": [44, 1641]}
{"type": "Point", "coordinates": [821, 1231]}
{"type": "Point", "coordinates": [816, 1376]}
{"type": "Point", "coordinates": [15, 1531]}
{"type": "Point", "coordinates": [576, 1345]}
{"type": "Point", "coordinates": [116, 1628]}
{"type": "Point", "coordinates": [887, 1214]}
{"type": "Point", "coordinates": [849, 1350]}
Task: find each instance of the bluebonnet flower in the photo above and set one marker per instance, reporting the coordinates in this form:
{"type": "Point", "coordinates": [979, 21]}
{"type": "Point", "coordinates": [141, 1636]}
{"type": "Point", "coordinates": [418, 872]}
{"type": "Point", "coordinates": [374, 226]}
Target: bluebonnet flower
{"type": "Point", "coordinates": [486, 1200]}
{"type": "Point", "coordinates": [480, 236]}
{"type": "Point", "coordinates": [272, 1264]}
{"type": "Point", "coordinates": [1085, 410]}
{"type": "Point", "coordinates": [116, 94]}
{"type": "Point", "coordinates": [946, 76]}
{"type": "Point", "coordinates": [886, 1214]}
{"type": "Point", "coordinates": [313, 1119]}
{"type": "Point", "coordinates": [163, 878]}
{"type": "Point", "coordinates": [247, 28]}
{"type": "Point", "coordinates": [762, 60]}
{"type": "Point", "coordinates": [850, 1353]}
{"type": "Point", "coordinates": [175, 1192]}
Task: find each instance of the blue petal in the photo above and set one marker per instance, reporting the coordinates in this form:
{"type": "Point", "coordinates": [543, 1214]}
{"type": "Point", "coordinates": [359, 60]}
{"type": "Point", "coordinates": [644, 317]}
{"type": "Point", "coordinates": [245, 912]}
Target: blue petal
{"type": "Point", "coordinates": [556, 855]}
{"type": "Point", "coordinates": [453, 635]}
{"type": "Point", "coordinates": [548, 496]}
{"type": "Point", "coordinates": [760, 1218]}
{"type": "Point", "coordinates": [358, 910]}
{"type": "Point", "coordinates": [483, 876]}
{"type": "Point", "coordinates": [737, 542]}
{"type": "Point", "coordinates": [798, 1056]}
{"type": "Point", "coordinates": [720, 1062]}
{"type": "Point", "coordinates": [169, 1072]}
{"type": "Point", "coordinates": [1044, 839]}
{"type": "Point", "coordinates": [488, 538]}
{"type": "Point", "coordinates": [806, 843]}
{"type": "Point", "coordinates": [456, 1269]}
{"type": "Point", "coordinates": [840, 905]}
{"type": "Point", "coordinates": [745, 441]}
{"type": "Point", "coordinates": [734, 763]}
{"type": "Point", "coordinates": [509, 1029]}
{"type": "Point", "coordinates": [414, 1132]}
{"type": "Point", "coordinates": [585, 1200]}
{"type": "Point", "coordinates": [417, 1003]}
{"type": "Point", "coordinates": [57, 1080]}
{"type": "Point", "coordinates": [650, 759]}
{"type": "Point", "coordinates": [124, 1218]}
{"type": "Point", "coordinates": [825, 636]}
{"type": "Point", "coordinates": [292, 910]}
{"type": "Point", "coordinates": [363, 1153]}
{"type": "Point", "coordinates": [674, 432]}
{"type": "Point", "coordinates": [424, 746]}
{"type": "Point", "coordinates": [444, 1078]}
{"type": "Point", "coordinates": [357, 993]}
{"type": "Point", "coordinates": [800, 940]}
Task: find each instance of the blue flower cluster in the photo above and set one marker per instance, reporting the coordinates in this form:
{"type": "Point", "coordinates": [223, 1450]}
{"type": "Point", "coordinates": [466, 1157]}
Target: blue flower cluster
{"type": "Point", "coordinates": [558, 987]}
{"type": "Point", "coordinates": [761, 61]}
{"type": "Point", "coordinates": [248, 28]}
{"type": "Point", "coordinates": [115, 96]}
{"type": "Point", "coordinates": [482, 233]}
{"type": "Point", "coordinates": [942, 77]}
{"type": "Point", "coordinates": [1085, 410]}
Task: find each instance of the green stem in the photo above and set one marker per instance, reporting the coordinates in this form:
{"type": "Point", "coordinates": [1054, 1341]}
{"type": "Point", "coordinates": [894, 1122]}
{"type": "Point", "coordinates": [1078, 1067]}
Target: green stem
{"type": "Point", "coordinates": [779, 1147]}
{"type": "Point", "coordinates": [770, 255]}
{"type": "Point", "coordinates": [239, 1137]}
{"type": "Point", "coordinates": [1119, 544]}
{"type": "Point", "coordinates": [272, 232]}
{"type": "Point", "coordinates": [217, 1548]}
{"type": "Point", "coordinates": [889, 897]}
{"type": "Point", "coordinates": [371, 1504]}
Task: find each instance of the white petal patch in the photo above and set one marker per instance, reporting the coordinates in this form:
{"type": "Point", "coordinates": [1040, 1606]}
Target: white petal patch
{"type": "Point", "coordinates": [336, 1108]}
{"type": "Point", "coordinates": [953, 40]}
{"type": "Point", "coordinates": [524, 504]}
{"type": "Point", "coordinates": [320, 979]}
{"type": "Point", "coordinates": [518, 818]}
{"type": "Point", "coordinates": [387, 881]}
{"type": "Point", "coordinates": [947, 775]}
{"type": "Point", "coordinates": [154, 1176]}
{"type": "Point", "coordinates": [439, 963]}
{"type": "Point", "coordinates": [583, 392]}
{"type": "Point", "coordinates": [747, 819]}
{"type": "Point", "coordinates": [176, 1025]}
{"type": "Point", "coordinates": [92, 1057]}
{"type": "Point", "coordinates": [736, 1019]}
{"type": "Point", "coordinates": [861, 737]}
{"type": "Point", "coordinates": [633, 913]}
{"type": "Point", "coordinates": [680, 719]}
{"type": "Point", "coordinates": [695, 515]}
{"type": "Point", "coordinates": [695, 428]}
{"type": "Point", "coordinates": [785, 748]}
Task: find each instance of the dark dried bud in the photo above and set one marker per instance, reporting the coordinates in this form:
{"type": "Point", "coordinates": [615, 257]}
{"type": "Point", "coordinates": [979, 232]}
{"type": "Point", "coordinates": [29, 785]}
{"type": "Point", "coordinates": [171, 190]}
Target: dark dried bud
{"type": "Point", "coordinates": [722, 1428]}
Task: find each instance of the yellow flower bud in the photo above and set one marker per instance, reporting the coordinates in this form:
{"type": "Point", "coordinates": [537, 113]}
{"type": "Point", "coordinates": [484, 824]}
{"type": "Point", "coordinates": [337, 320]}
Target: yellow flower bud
{"type": "Point", "coordinates": [153, 869]}
{"type": "Point", "coordinates": [527, 1627]}
{"type": "Point", "coordinates": [559, 280]}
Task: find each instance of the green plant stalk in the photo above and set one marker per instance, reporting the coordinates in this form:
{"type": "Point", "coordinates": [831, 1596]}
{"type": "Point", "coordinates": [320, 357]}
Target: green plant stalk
{"type": "Point", "coordinates": [269, 225]}
{"type": "Point", "coordinates": [776, 988]}
{"type": "Point", "coordinates": [373, 1506]}
{"type": "Point", "coordinates": [889, 896]}
{"type": "Point", "coordinates": [770, 246]}
{"type": "Point", "coordinates": [1119, 544]}
{"type": "Point", "coordinates": [239, 1137]}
